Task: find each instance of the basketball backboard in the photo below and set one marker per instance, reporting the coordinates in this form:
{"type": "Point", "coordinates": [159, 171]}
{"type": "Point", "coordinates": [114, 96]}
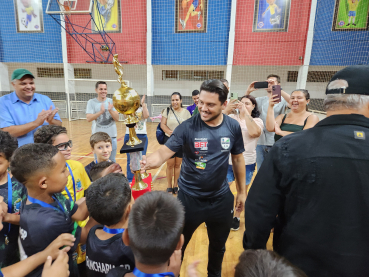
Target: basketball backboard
{"type": "Point", "coordinates": [69, 6]}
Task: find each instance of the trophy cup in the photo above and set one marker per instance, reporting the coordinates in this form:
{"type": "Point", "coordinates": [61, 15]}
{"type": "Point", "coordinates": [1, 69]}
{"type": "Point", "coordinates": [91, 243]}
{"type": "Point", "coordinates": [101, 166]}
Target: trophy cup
{"type": "Point", "coordinates": [126, 101]}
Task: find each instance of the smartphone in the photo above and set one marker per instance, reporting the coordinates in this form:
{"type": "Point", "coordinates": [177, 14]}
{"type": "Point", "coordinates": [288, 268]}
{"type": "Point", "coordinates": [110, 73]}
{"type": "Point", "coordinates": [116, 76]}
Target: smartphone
{"type": "Point", "coordinates": [234, 95]}
{"type": "Point", "coordinates": [261, 85]}
{"type": "Point", "coordinates": [276, 90]}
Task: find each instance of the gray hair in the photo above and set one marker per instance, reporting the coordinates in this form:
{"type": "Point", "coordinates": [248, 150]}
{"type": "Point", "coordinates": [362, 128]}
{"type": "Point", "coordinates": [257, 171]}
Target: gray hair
{"type": "Point", "coordinates": [334, 102]}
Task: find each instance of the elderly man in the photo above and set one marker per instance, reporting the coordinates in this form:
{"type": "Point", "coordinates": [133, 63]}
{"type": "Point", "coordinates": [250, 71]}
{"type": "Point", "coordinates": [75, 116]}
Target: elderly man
{"type": "Point", "coordinates": [313, 187]}
{"type": "Point", "coordinates": [23, 111]}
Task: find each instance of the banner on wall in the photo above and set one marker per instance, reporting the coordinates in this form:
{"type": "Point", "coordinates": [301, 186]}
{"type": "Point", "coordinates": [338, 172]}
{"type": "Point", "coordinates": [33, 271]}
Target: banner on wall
{"type": "Point", "coordinates": [28, 16]}
{"type": "Point", "coordinates": [271, 15]}
{"type": "Point", "coordinates": [110, 16]}
{"type": "Point", "coordinates": [350, 15]}
{"type": "Point", "coordinates": [191, 16]}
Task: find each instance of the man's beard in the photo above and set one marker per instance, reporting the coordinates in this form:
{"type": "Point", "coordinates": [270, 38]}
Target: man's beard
{"type": "Point", "coordinates": [212, 118]}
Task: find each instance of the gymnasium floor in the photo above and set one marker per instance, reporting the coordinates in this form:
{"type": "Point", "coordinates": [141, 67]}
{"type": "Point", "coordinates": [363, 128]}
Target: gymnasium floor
{"type": "Point", "coordinates": [79, 132]}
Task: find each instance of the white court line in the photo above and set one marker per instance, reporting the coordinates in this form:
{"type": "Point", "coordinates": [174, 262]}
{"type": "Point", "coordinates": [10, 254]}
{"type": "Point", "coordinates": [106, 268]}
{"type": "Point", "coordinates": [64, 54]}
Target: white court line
{"type": "Point", "coordinates": [157, 172]}
{"type": "Point", "coordinates": [92, 157]}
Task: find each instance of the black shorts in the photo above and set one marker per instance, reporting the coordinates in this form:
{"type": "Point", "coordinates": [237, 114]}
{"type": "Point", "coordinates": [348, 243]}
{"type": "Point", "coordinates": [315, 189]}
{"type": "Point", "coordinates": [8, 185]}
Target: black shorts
{"type": "Point", "coordinates": [179, 154]}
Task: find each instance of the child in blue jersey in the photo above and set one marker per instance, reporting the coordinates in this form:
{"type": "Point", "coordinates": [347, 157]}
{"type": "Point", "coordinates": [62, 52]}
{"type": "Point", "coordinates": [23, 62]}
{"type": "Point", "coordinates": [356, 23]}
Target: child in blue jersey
{"type": "Point", "coordinates": [155, 236]}
{"type": "Point", "coordinates": [13, 193]}
{"type": "Point", "coordinates": [47, 213]}
{"type": "Point", "coordinates": [109, 201]}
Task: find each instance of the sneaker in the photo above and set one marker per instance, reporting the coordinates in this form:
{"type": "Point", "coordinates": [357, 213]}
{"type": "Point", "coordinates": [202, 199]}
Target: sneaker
{"type": "Point", "coordinates": [198, 16]}
{"type": "Point", "coordinates": [353, 24]}
{"type": "Point", "coordinates": [183, 24]}
{"type": "Point", "coordinates": [235, 224]}
{"type": "Point", "coordinates": [348, 24]}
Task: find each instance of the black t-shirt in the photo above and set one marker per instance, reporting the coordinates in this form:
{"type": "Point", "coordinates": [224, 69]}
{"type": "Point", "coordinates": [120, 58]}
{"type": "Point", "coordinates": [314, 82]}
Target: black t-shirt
{"type": "Point", "coordinates": [88, 168]}
{"type": "Point", "coordinates": [104, 255]}
{"type": "Point", "coordinates": [206, 154]}
{"type": "Point", "coordinates": [9, 252]}
{"type": "Point", "coordinates": [39, 226]}
{"type": "Point", "coordinates": [118, 272]}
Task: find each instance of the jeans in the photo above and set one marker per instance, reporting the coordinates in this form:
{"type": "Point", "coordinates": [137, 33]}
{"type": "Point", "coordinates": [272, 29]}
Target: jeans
{"type": "Point", "coordinates": [261, 152]}
{"type": "Point", "coordinates": [113, 150]}
{"type": "Point", "coordinates": [126, 138]}
{"type": "Point", "coordinates": [250, 169]}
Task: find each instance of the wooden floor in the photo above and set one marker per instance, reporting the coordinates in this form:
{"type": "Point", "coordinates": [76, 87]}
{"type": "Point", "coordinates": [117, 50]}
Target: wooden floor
{"type": "Point", "coordinates": [79, 132]}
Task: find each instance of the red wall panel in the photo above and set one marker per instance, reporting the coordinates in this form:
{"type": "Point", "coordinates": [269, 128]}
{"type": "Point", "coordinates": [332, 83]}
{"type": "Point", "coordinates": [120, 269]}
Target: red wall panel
{"type": "Point", "coordinates": [270, 48]}
{"type": "Point", "coordinates": [130, 43]}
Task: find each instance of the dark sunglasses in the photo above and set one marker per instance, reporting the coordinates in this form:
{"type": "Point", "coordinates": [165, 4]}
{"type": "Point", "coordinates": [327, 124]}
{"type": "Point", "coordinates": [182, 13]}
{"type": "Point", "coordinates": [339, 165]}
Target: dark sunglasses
{"type": "Point", "coordinates": [64, 146]}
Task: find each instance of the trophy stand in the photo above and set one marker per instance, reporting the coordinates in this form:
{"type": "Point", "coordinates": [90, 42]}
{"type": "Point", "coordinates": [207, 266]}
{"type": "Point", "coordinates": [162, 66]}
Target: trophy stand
{"type": "Point", "coordinates": [126, 101]}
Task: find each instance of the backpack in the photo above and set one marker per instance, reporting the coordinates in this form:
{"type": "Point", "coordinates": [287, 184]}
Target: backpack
{"type": "Point", "coordinates": [160, 134]}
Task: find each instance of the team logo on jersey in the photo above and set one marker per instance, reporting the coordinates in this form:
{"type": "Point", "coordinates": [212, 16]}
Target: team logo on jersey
{"type": "Point", "coordinates": [79, 185]}
{"type": "Point", "coordinates": [225, 142]}
{"type": "Point", "coordinates": [23, 234]}
{"type": "Point", "coordinates": [17, 205]}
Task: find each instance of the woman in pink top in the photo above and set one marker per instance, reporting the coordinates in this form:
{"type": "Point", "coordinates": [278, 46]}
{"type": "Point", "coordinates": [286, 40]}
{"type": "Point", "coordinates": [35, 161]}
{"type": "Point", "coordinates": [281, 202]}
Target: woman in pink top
{"type": "Point", "coordinates": [251, 127]}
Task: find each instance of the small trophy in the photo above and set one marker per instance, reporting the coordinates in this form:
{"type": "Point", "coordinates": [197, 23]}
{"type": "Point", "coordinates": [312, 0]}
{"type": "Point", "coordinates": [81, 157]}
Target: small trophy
{"type": "Point", "coordinates": [126, 101]}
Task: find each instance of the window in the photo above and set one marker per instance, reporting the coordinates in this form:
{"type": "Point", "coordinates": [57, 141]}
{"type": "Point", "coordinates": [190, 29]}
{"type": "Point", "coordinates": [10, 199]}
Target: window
{"type": "Point", "coordinates": [313, 76]}
{"type": "Point", "coordinates": [191, 75]}
{"type": "Point", "coordinates": [50, 72]}
{"type": "Point", "coordinates": [82, 73]}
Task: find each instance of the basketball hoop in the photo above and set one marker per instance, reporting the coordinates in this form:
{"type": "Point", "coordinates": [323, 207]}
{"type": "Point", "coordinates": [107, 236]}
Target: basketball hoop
{"type": "Point", "coordinates": [65, 6]}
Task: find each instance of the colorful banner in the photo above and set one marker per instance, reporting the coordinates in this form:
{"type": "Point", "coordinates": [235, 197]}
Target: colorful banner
{"type": "Point", "coordinates": [350, 15]}
{"type": "Point", "coordinates": [28, 16]}
{"type": "Point", "coordinates": [191, 16]}
{"type": "Point", "coordinates": [271, 15]}
{"type": "Point", "coordinates": [106, 15]}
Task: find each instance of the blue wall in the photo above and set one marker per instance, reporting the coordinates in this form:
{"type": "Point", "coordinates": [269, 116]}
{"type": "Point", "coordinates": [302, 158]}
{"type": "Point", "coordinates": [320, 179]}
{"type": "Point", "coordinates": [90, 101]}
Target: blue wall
{"type": "Point", "coordinates": [170, 48]}
{"type": "Point", "coordinates": [340, 48]}
{"type": "Point", "coordinates": [28, 47]}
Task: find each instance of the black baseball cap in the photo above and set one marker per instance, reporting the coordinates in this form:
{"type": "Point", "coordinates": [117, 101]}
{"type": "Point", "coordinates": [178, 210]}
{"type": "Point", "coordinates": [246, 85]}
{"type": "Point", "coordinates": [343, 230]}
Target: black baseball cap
{"type": "Point", "coordinates": [357, 77]}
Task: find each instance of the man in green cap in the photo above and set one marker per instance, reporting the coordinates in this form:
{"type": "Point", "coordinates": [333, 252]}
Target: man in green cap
{"type": "Point", "coordinates": [23, 111]}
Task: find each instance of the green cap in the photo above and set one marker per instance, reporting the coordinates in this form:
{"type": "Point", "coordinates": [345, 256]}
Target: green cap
{"type": "Point", "coordinates": [20, 72]}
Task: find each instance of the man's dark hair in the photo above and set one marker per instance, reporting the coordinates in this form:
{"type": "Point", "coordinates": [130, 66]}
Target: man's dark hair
{"type": "Point", "coordinates": [195, 92]}
{"type": "Point", "coordinates": [215, 86]}
{"type": "Point", "coordinates": [224, 81]}
{"type": "Point", "coordinates": [100, 83]}
{"type": "Point", "coordinates": [96, 169]}
{"type": "Point", "coordinates": [29, 159]}
{"type": "Point", "coordinates": [155, 227]}
{"type": "Point", "coordinates": [48, 133]}
{"type": "Point", "coordinates": [99, 136]}
{"type": "Point", "coordinates": [274, 76]}
{"type": "Point", "coordinates": [264, 263]}
{"type": "Point", "coordinates": [255, 112]}
{"type": "Point", "coordinates": [8, 144]}
{"type": "Point", "coordinates": [108, 197]}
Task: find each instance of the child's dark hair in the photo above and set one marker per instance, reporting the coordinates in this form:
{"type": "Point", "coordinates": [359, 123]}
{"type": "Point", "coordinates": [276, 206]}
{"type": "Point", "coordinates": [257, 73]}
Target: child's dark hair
{"type": "Point", "coordinates": [195, 92]}
{"type": "Point", "coordinates": [96, 169]}
{"type": "Point", "coordinates": [28, 159]}
{"type": "Point", "coordinates": [108, 198]}
{"type": "Point", "coordinates": [99, 136]}
{"type": "Point", "coordinates": [8, 145]}
{"type": "Point", "coordinates": [215, 86]}
{"type": "Point", "coordinates": [48, 133]}
{"type": "Point", "coordinates": [155, 227]}
{"type": "Point", "coordinates": [264, 263]}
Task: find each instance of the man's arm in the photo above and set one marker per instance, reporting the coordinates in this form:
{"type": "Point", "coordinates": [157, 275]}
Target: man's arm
{"type": "Point", "coordinates": [20, 130]}
{"type": "Point", "coordinates": [286, 97]}
{"type": "Point", "coordinates": [263, 202]}
{"type": "Point", "coordinates": [93, 116]}
{"type": "Point", "coordinates": [114, 114]}
{"type": "Point", "coordinates": [82, 212]}
{"type": "Point", "coordinates": [156, 159]}
{"type": "Point", "coordinates": [239, 169]}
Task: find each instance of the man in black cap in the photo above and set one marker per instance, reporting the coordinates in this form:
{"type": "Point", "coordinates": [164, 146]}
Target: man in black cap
{"type": "Point", "coordinates": [313, 187]}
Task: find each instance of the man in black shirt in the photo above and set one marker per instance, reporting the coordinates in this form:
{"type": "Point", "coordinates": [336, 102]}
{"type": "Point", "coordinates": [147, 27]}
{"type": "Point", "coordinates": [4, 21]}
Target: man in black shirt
{"type": "Point", "coordinates": [207, 139]}
{"type": "Point", "coordinates": [313, 187]}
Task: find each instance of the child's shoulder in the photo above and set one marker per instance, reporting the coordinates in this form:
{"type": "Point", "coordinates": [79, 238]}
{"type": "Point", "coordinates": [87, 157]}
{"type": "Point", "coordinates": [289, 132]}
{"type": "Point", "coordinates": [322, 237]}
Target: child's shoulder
{"type": "Point", "coordinates": [75, 165]}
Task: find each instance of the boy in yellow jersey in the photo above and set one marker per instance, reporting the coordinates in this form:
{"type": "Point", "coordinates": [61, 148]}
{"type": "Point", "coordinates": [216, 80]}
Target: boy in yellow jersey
{"type": "Point", "coordinates": [28, 9]}
{"type": "Point", "coordinates": [274, 9]}
{"type": "Point", "coordinates": [78, 180]}
{"type": "Point", "coordinates": [352, 11]}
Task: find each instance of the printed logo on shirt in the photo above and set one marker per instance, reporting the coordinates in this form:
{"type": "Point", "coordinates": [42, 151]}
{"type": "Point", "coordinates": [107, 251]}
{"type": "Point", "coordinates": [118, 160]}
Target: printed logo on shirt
{"type": "Point", "coordinates": [17, 205]}
{"type": "Point", "coordinates": [23, 234]}
{"type": "Point", "coordinates": [200, 165]}
{"type": "Point", "coordinates": [359, 135]}
{"type": "Point", "coordinates": [203, 145]}
{"type": "Point", "coordinates": [201, 159]}
{"type": "Point", "coordinates": [79, 185]}
{"type": "Point", "coordinates": [102, 267]}
{"type": "Point", "coordinates": [225, 142]}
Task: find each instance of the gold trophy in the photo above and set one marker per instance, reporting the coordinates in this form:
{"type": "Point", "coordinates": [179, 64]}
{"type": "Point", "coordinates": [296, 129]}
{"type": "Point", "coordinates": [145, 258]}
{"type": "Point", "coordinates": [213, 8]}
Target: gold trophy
{"type": "Point", "coordinates": [126, 101]}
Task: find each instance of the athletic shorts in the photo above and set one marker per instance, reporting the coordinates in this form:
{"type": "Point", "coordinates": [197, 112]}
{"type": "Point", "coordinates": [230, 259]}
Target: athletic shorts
{"type": "Point", "coordinates": [250, 169]}
{"type": "Point", "coordinates": [352, 13]}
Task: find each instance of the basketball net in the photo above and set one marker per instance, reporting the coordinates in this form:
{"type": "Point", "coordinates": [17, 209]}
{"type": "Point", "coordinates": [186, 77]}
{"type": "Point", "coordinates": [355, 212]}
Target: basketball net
{"type": "Point", "coordinates": [65, 6]}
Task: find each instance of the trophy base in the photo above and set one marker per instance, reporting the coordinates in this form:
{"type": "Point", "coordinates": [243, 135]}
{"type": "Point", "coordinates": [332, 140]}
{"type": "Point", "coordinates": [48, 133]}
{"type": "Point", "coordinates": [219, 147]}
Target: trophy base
{"type": "Point", "coordinates": [134, 148]}
{"type": "Point", "coordinates": [138, 193]}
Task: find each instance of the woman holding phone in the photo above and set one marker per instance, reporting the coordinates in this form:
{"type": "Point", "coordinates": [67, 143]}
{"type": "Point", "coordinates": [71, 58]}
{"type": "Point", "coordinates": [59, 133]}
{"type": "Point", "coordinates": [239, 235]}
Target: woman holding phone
{"type": "Point", "coordinates": [297, 120]}
{"type": "Point", "coordinates": [247, 115]}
